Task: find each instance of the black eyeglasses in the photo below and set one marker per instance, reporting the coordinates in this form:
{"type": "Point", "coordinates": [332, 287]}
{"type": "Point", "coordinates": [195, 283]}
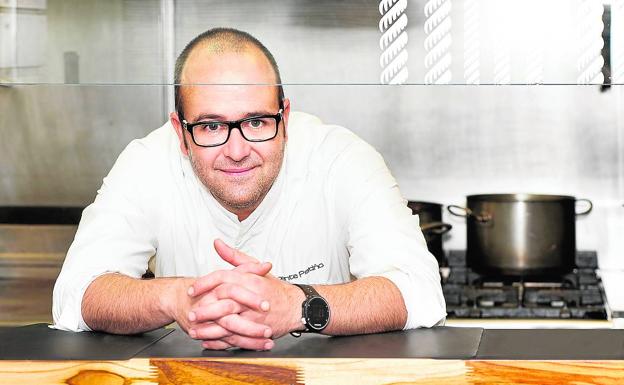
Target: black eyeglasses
{"type": "Point", "coordinates": [216, 133]}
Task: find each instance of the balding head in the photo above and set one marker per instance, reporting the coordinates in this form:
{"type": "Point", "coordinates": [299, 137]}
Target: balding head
{"type": "Point", "coordinates": [219, 41]}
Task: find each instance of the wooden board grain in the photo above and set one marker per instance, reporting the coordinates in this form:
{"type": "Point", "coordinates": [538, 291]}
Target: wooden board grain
{"type": "Point", "coordinates": [275, 371]}
{"type": "Point", "coordinates": [228, 371]}
{"type": "Point", "coordinates": [135, 372]}
{"type": "Point", "coordinates": [381, 371]}
{"type": "Point", "coordinates": [546, 372]}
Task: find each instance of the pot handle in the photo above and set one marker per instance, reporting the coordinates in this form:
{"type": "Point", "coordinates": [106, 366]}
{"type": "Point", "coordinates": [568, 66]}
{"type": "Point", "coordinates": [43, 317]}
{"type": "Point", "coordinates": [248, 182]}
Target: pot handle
{"type": "Point", "coordinates": [468, 213]}
{"type": "Point", "coordinates": [589, 208]}
{"type": "Point", "coordinates": [436, 228]}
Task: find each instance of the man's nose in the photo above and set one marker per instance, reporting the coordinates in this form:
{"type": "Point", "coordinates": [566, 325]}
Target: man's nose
{"type": "Point", "coordinates": [236, 148]}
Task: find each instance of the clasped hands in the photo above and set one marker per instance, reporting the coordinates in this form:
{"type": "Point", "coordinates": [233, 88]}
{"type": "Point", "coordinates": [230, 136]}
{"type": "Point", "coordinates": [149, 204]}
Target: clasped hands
{"type": "Point", "coordinates": [244, 307]}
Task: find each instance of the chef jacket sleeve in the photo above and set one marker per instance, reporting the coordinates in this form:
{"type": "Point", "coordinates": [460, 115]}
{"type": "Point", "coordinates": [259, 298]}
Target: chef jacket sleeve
{"type": "Point", "coordinates": [116, 234]}
{"type": "Point", "coordinates": [383, 237]}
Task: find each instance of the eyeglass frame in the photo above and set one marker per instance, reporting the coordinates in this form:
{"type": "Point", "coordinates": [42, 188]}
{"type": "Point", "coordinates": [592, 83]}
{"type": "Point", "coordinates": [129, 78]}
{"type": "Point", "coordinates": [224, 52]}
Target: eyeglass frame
{"type": "Point", "coordinates": [232, 124]}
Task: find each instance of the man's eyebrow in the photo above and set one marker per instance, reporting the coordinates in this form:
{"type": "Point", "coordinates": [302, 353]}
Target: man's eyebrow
{"type": "Point", "coordinates": [207, 116]}
{"type": "Point", "coordinates": [258, 113]}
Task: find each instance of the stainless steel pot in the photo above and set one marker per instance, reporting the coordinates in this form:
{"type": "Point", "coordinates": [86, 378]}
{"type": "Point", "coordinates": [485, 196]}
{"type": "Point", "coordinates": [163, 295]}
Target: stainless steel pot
{"type": "Point", "coordinates": [520, 234]}
{"type": "Point", "coordinates": [430, 218]}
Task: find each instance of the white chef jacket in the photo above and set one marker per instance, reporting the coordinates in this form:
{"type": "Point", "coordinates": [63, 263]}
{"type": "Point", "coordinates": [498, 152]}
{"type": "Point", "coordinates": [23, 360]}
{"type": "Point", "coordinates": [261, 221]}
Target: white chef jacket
{"type": "Point", "coordinates": [334, 214]}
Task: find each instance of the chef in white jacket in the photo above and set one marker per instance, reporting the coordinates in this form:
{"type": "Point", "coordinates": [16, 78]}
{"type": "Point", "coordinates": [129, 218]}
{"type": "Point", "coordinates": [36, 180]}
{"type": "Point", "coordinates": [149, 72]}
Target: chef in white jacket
{"type": "Point", "coordinates": [256, 221]}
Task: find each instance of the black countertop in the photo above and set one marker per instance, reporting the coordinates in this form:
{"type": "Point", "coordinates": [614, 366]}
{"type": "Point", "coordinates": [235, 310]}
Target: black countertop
{"type": "Point", "coordinates": [38, 342]}
{"type": "Point", "coordinates": [443, 342]}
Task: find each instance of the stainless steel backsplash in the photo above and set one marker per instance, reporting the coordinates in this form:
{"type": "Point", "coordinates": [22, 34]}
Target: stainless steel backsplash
{"type": "Point", "coordinates": [442, 142]}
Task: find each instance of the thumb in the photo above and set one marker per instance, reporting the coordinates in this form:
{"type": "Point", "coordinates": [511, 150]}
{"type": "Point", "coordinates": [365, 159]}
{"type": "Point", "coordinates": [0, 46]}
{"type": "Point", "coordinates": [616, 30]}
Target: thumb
{"type": "Point", "coordinates": [231, 255]}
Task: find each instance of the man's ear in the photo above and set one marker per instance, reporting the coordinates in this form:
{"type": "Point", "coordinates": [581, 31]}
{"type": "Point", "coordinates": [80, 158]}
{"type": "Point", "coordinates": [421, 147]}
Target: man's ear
{"type": "Point", "coordinates": [177, 126]}
{"type": "Point", "coordinates": [286, 115]}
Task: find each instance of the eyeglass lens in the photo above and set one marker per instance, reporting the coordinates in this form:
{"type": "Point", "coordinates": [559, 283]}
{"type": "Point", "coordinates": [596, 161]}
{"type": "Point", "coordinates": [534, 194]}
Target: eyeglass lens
{"type": "Point", "coordinates": [215, 133]}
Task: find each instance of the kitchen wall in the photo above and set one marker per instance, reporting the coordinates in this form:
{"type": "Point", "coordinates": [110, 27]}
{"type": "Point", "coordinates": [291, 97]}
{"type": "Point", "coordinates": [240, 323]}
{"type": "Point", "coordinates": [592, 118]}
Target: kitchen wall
{"type": "Point", "coordinates": [59, 139]}
{"type": "Point", "coordinates": [483, 130]}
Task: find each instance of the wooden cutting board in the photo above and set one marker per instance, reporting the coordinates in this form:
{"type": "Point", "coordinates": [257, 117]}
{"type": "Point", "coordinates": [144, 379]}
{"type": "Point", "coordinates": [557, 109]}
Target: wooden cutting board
{"type": "Point", "coordinates": [311, 371]}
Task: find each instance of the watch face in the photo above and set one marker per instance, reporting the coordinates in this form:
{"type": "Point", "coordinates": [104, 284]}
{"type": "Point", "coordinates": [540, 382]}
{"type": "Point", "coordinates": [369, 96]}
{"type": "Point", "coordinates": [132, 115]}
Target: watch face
{"type": "Point", "coordinates": [317, 313]}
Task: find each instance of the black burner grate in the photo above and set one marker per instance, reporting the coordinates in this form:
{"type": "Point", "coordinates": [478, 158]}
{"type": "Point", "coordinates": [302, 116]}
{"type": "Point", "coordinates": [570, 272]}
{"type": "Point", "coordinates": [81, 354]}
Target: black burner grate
{"type": "Point", "coordinates": [577, 295]}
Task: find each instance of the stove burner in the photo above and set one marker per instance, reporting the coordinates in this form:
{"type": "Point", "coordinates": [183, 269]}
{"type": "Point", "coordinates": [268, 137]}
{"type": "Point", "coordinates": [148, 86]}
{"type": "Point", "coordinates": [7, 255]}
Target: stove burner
{"type": "Point", "coordinates": [577, 295]}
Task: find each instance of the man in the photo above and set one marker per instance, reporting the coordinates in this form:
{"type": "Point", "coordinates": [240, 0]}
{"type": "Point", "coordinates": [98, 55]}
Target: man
{"type": "Point", "coordinates": [237, 200]}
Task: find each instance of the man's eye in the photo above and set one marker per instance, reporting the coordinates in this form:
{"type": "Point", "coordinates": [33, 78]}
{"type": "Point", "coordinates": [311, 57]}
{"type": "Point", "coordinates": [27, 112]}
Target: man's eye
{"type": "Point", "coordinates": [210, 127]}
{"type": "Point", "coordinates": [256, 123]}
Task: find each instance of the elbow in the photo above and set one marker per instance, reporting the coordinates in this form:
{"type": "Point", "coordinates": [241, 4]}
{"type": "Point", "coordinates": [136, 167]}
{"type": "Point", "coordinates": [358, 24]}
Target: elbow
{"type": "Point", "coordinates": [66, 309]}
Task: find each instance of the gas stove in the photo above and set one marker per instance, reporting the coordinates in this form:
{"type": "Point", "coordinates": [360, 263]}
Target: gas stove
{"type": "Point", "coordinates": [577, 295]}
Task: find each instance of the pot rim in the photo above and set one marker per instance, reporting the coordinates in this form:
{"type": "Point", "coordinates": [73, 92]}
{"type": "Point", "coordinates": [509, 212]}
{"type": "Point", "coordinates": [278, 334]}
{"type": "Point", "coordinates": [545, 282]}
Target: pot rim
{"type": "Point", "coordinates": [520, 197]}
{"type": "Point", "coordinates": [425, 203]}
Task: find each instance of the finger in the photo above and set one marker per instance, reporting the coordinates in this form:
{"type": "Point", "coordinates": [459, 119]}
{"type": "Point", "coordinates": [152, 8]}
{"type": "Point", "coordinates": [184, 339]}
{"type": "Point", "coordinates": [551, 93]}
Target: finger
{"type": "Point", "coordinates": [253, 315]}
{"type": "Point", "coordinates": [241, 295]}
{"type": "Point", "coordinates": [210, 281]}
{"type": "Point", "coordinates": [242, 326]}
{"type": "Point", "coordinates": [230, 255]}
{"type": "Point", "coordinates": [249, 343]}
{"type": "Point", "coordinates": [215, 310]}
{"type": "Point", "coordinates": [216, 345]}
{"type": "Point", "coordinates": [254, 268]}
{"type": "Point", "coordinates": [210, 331]}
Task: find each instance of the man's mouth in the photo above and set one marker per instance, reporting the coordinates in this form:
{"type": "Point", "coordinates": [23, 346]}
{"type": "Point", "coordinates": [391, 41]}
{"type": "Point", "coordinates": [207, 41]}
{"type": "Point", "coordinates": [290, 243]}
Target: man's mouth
{"type": "Point", "coordinates": [237, 171]}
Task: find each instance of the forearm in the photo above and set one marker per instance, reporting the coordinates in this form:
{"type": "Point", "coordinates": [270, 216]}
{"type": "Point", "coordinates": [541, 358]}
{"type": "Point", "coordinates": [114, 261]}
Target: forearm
{"type": "Point", "coordinates": [367, 305]}
{"type": "Point", "coordinates": [119, 304]}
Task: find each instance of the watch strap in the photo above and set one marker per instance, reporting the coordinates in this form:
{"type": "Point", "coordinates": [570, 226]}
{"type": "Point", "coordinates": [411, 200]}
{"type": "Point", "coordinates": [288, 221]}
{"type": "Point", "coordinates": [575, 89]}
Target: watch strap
{"type": "Point", "coordinates": [308, 290]}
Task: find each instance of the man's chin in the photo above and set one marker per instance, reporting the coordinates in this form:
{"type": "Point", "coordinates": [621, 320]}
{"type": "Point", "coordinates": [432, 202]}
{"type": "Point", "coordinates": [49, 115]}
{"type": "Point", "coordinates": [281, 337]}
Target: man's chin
{"type": "Point", "coordinates": [239, 206]}
{"type": "Point", "coordinates": [239, 201]}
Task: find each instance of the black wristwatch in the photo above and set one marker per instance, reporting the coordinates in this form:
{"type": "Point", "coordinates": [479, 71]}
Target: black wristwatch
{"type": "Point", "coordinates": [314, 311]}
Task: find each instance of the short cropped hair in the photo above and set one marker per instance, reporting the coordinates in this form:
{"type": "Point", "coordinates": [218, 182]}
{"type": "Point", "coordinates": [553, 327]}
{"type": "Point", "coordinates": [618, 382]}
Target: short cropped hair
{"type": "Point", "coordinates": [222, 40]}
